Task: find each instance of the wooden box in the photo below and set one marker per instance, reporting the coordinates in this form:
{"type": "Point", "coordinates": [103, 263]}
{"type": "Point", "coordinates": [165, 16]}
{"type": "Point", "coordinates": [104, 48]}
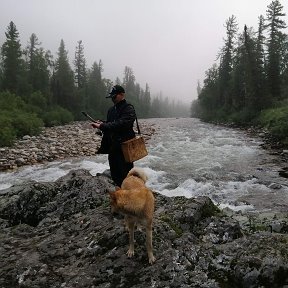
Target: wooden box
{"type": "Point", "coordinates": [134, 149]}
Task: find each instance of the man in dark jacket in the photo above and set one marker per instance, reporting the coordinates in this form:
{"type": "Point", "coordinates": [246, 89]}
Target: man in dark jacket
{"type": "Point", "coordinates": [117, 129]}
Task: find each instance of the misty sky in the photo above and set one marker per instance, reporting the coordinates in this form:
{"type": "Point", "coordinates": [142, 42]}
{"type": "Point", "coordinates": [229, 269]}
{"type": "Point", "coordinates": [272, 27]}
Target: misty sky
{"type": "Point", "coordinates": [169, 44]}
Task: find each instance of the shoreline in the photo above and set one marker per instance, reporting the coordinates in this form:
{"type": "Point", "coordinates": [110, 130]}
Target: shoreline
{"type": "Point", "coordinates": [57, 143]}
{"type": "Point", "coordinates": [79, 139]}
{"type": "Point", "coordinates": [270, 144]}
{"type": "Point", "coordinates": [62, 234]}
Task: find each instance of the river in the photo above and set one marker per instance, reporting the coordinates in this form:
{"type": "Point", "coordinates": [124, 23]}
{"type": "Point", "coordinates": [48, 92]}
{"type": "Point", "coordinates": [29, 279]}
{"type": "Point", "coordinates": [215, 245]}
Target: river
{"type": "Point", "coordinates": [190, 158]}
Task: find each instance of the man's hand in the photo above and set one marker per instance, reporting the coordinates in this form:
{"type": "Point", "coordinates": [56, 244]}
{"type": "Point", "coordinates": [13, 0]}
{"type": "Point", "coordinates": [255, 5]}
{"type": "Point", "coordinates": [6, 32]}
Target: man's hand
{"type": "Point", "coordinates": [96, 124]}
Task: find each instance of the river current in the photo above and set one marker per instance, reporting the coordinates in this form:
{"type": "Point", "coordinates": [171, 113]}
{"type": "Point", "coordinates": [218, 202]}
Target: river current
{"type": "Point", "coordinates": [190, 158]}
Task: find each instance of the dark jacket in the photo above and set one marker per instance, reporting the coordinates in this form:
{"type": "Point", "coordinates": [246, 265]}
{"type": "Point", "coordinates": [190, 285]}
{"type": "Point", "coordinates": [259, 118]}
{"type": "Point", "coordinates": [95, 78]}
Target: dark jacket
{"type": "Point", "coordinates": [118, 127]}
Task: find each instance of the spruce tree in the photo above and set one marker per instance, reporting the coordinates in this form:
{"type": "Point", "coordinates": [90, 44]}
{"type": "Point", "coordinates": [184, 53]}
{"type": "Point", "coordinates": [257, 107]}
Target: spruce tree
{"type": "Point", "coordinates": [274, 25]}
{"type": "Point", "coordinates": [129, 84]}
{"type": "Point", "coordinates": [284, 69]}
{"type": "Point", "coordinates": [39, 64]}
{"type": "Point", "coordinates": [146, 101]}
{"type": "Point", "coordinates": [96, 103]}
{"type": "Point", "coordinates": [225, 68]}
{"type": "Point", "coordinates": [208, 100]}
{"type": "Point", "coordinates": [11, 60]}
{"type": "Point", "coordinates": [63, 81]}
{"type": "Point", "coordinates": [80, 78]}
{"type": "Point", "coordinates": [80, 66]}
{"type": "Point", "coordinates": [260, 65]}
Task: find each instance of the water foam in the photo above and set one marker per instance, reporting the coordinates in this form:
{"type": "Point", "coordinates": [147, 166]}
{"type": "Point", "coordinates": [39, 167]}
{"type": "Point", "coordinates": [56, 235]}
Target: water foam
{"type": "Point", "coordinates": [189, 158]}
{"type": "Point", "coordinates": [50, 172]}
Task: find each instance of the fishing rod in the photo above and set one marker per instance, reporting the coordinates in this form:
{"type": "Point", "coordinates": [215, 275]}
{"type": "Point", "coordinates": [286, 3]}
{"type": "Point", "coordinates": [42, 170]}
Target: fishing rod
{"type": "Point", "coordinates": [99, 132]}
{"type": "Point", "coordinates": [95, 121]}
{"type": "Point", "coordinates": [88, 116]}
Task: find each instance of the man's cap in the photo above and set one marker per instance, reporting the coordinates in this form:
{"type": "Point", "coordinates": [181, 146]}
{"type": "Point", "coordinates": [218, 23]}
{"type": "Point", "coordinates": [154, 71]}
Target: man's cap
{"type": "Point", "coordinates": [117, 89]}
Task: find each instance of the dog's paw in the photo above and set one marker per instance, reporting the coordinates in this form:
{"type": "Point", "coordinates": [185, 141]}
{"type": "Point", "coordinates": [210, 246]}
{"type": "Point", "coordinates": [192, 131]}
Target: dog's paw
{"type": "Point", "coordinates": [130, 253]}
{"type": "Point", "coordinates": [152, 259]}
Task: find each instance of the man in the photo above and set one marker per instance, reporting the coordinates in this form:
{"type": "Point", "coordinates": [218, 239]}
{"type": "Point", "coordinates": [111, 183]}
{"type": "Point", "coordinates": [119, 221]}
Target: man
{"type": "Point", "coordinates": [117, 129]}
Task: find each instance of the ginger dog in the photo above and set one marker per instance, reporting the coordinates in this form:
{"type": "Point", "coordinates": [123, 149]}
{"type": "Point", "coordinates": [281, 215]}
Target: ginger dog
{"type": "Point", "coordinates": [136, 202]}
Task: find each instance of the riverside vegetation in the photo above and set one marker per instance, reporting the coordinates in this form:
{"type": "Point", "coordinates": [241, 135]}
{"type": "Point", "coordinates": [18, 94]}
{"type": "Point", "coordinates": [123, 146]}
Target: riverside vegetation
{"type": "Point", "coordinates": [249, 85]}
{"type": "Point", "coordinates": [37, 90]}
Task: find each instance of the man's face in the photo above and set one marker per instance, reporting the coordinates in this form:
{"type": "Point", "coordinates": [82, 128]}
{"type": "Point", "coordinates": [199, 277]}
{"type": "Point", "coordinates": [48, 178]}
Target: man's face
{"type": "Point", "coordinates": [117, 98]}
{"type": "Point", "coordinates": [114, 98]}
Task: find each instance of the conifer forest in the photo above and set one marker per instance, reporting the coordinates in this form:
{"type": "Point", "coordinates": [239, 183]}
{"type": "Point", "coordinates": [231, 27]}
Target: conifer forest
{"type": "Point", "coordinates": [38, 89]}
{"type": "Point", "coordinates": [249, 83]}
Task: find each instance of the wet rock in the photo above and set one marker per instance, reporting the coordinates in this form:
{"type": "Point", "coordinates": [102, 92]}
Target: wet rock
{"type": "Point", "coordinates": [26, 137]}
{"type": "Point", "coordinates": [283, 173]}
{"type": "Point", "coordinates": [62, 234]}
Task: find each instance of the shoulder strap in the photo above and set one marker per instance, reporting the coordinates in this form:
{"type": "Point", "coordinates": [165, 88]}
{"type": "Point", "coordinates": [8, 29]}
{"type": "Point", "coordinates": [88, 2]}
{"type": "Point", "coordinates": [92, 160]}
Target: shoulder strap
{"type": "Point", "coordinates": [138, 128]}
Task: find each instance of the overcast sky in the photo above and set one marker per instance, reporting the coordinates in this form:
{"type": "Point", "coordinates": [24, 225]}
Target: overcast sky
{"type": "Point", "coordinates": [169, 44]}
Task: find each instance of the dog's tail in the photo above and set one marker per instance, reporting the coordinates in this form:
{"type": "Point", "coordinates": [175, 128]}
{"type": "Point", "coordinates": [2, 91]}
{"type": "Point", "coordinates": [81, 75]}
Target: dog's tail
{"type": "Point", "coordinates": [138, 172]}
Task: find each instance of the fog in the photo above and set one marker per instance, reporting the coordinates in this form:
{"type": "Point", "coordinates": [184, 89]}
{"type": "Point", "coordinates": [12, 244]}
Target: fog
{"type": "Point", "coordinates": [169, 44]}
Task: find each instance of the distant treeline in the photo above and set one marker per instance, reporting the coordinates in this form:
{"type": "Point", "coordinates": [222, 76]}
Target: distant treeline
{"type": "Point", "coordinates": [37, 90]}
{"type": "Point", "coordinates": [249, 83]}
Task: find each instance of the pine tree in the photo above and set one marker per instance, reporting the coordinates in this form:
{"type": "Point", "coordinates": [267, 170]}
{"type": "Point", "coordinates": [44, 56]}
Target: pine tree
{"type": "Point", "coordinates": [155, 110]}
{"type": "Point", "coordinates": [97, 104]}
{"type": "Point", "coordinates": [254, 81]}
{"type": "Point", "coordinates": [225, 68]}
{"type": "Point", "coordinates": [239, 77]}
{"type": "Point", "coordinates": [208, 100]}
{"type": "Point", "coordinates": [284, 69]}
{"type": "Point", "coordinates": [146, 101]}
{"type": "Point", "coordinates": [63, 81]}
{"type": "Point", "coordinates": [11, 60]}
{"type": "Point", "coordinates": [80, 78]}
{"type": "Point", "coordinates": [275, 43]}
{"type": "Point", "coordinates": [1, 72]}
{"type": "Point", "coordinates": [39, 63]}
{"type": "Point", "coordinates": [198, 88]}
{"type": "Point", "coordinates": [260, 63]}
{"type": "Point", "coordinates": [80, 66]}
{"type": "Point", "coordinates": [129, 84]}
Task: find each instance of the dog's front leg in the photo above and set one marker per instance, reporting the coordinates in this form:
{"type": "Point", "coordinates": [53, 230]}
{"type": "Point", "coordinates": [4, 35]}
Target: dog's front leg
{"type": "Point", "coordinates": [149, 246]}
{"type": "Point", "coordinates": [131, 226]}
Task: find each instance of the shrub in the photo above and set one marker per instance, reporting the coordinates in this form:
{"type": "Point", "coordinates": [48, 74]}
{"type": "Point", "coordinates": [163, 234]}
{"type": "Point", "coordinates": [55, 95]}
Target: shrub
{"type": "Point", "coordinates": [243, 118]}
{"type": "Point", "coordinates": [9, 101]}
{"type": "Point", "coordinates": [57, 116]}
{"type": "Point", "coordinates": [37, 99]}
{"type": "Point", "coordinates": [275, 120]}
{"type": "Point", "coordinates": [36, 103]}
{"type": "Point", "coordinates": [7, 132]}
{"type": "Point", "coordinates": [26, 124]}
{"type": "Point", "coordinates": [15, 120]}
{"type": "Point", "coordinates": [7, 136]}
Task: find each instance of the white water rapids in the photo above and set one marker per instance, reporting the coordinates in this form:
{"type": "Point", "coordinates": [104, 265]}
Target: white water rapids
{"type": "Point", "coordinates": [191, 158]}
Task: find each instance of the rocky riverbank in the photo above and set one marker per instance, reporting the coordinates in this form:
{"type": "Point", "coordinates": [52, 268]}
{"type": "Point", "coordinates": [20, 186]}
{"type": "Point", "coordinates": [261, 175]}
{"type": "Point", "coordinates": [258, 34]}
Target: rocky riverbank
{"type": "Point", "coordinates": [54, 143]}
{"type": "Point", "coordinates": [62, 234]}
{"type": "Point", "coordinates": [274, 147]}
{"type": "Point", "coordinates": [269, 143]}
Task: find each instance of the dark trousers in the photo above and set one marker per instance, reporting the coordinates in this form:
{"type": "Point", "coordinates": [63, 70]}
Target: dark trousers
{"type": "Point", "coordinates": [119, 168]}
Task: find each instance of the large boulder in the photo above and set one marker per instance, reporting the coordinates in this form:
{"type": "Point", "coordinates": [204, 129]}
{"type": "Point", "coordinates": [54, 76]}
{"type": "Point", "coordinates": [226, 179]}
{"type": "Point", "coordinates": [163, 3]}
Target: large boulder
{"type": "Point", "coordinates": [62, 234]}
